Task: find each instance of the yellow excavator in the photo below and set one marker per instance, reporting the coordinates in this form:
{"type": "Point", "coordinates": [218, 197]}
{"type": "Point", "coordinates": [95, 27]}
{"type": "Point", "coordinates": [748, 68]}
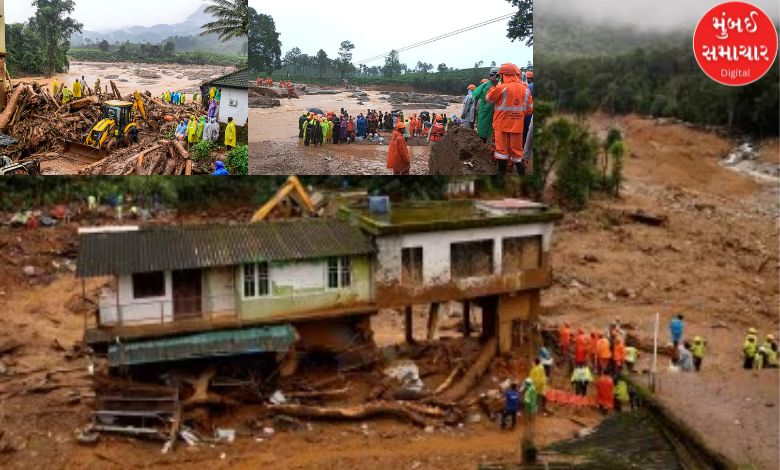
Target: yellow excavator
{"type": "Point", "coordinates": [308, 204]}
{"type": "Point", "coordinates": [116, 127]}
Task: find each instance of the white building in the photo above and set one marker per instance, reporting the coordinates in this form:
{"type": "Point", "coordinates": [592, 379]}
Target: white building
{"type": "Point", "coordinates": [234, 96]}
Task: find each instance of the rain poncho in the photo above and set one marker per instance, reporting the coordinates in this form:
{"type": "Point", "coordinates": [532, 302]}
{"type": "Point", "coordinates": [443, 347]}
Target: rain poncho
{"type": "Point", "coordinates": [192, 130]}
{"type": "Point", "coordinates": [485, 111]}
{"type": "Point", "coordinates": [214, 130]}
{"type": "Point", "coordinates": [201, 127]}
{"type": "Point", "coordinates": [361, 126]}
{"type": "Point", "coordinates": [218, 96]}
{"type": "Point", "coordinates": [230, 134]}
{"type": "Point", "coordinates": [212, 93]}
{"type": "Point", "coordinates": [325, 127]}
{"type": "Point", "coordinates": [220, 171]}
{"type": "Point", "coordinates": [77, 89]}
{"type": "Point", "coordinates": [55, 85]}
{"type": "Point", "coordinates": [212, 109]}
{"type": "Point", "coordinates": [66, 95]}
{"type": "Point", "coordinates": [181, 129]}
{"type": "Point", "coordinates": [398, 155]}
{"type": "Point", "coordinates": [468, 108]}
{"type": "Point", "coordinates": [530, 396]}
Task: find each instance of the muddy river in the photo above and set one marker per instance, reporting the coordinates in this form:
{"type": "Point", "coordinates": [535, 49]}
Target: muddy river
{"type": "Point", "coordinates": [275, 147]}
{"type": "Point", "coordinates": [129, 76]}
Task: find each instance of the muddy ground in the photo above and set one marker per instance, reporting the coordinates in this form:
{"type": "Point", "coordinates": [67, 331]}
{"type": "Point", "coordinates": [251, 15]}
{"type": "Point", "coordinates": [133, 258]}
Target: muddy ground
{"type": "Point", "coordinates": [716, 261]}
{"type": "Point", "coordinates": [129, 76]}
{"type": "Point", "coordinates": [274, 147]}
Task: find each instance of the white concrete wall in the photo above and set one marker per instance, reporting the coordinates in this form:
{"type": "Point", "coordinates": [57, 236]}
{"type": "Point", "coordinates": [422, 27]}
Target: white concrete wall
{"type": "Point", "coordinates": [436, 249]}
{"type": "Point", "coordinates": [234, 103]}
{"type": "Point", "coordinates": [136, 311]}
{"type": "Point", "coordinates": [219, 290]}
{"type": "Point", "coordinates": [300, 275]}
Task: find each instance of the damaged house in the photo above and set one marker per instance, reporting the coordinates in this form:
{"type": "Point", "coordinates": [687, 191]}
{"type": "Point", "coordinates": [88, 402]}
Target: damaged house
{"type": "Point", "coordinates": [204, 291]}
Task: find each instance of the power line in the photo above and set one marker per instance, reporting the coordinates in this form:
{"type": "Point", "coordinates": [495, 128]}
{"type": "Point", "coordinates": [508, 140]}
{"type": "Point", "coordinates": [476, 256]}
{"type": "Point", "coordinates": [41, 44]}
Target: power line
{"type": "Point", "coordinates": [438, 38]}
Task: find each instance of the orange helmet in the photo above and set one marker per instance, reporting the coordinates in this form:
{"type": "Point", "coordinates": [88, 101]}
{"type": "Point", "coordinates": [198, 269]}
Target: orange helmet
{"type": "Point", "coordinates": [484, 80]}
{"type": "Point", "coordinates": [400, 125]}
{"type": "Point", "coordinates": [509, 69]}
{"type": "Point", "coordinates": [529, 74]}
{"type": "Point", "coordinates": [472, 87]}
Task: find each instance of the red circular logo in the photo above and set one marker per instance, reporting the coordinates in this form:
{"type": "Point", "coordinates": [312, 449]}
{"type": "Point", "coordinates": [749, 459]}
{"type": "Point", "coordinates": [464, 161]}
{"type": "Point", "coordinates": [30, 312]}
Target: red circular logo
{"type": "Point", "coordinates": [735, 43]}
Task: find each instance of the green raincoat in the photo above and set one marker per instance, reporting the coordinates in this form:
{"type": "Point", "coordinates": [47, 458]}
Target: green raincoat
{"type": "Point", "coordinates": [530, 399]}
{"type": "Point", "coordinates": [485, 111]}
{"type": "Point", "coordinates": [201, 126]}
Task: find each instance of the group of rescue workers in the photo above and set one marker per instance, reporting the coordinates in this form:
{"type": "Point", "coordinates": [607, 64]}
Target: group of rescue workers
{"type": "Point", "coordinates": [759, 357]}
{"type": "Point", "coordinates": [206, 128]}
{"type": "Point", "coordinates": [500, 108]}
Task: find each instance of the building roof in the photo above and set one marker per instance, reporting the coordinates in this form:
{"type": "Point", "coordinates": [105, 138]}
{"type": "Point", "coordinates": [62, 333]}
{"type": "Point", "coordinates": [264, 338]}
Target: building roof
{"type": "Point", "coordinates": [432, 216]}
{"type": "Point", "coordinates": [276, 338]}
{"type": "Point", "coordinates": [239, 79]}
{"type": "Point", "coordinates": [150, 249]}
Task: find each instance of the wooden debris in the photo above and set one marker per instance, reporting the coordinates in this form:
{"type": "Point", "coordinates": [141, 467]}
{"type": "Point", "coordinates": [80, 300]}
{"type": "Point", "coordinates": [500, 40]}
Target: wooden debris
{"type": "Point", "coordinates": [649, 219]}
{"type": "Point", "coordinates": [412, 413]}
{"type": "Point", "coordinates": [472, 376]}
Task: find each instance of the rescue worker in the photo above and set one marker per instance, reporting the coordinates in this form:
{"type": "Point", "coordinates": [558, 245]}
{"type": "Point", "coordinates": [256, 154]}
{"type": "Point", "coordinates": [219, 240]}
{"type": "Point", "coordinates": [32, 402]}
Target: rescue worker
{"type": "Point", "coordinates": [604, 354]}
{"type": "Point", "coordinates": [564, 340]}
{"type": "Point", "coordinates": [192, 131]}
{"type": "Point", "coordinates": [511, 406]}
{"type": "Point", "coordinates": [230, 135]}
{"type": "Point", "coordinates": [539, 377]}
{"type": "Point", "coordinates": [351, 130]}
{"type": "Point", "coordinates": [530, 398]}
{"type": "Point", "coordinates": [619, 355]}
{"type": "Point", "coordinates": [212, 112]}
{"type": "Point", "coordinates": [55, 86]}
{"type": "Point", "coordinates": [76, 89]}
{"type": "Point", "coordinates": [66, 95]}
{"type": "Point", "coordinates": [83, 86]}
{"type": "Point", "coordinates": [750, 348]}
{"type": "Point", "coordinates": [398, 152]}
{"type": "Point", "coordinates": [580, 379]}
{"type": "Point", "coordinates": [593, 350]}
{"type": "Point", "coordinates": [580, 348]}
{"type": "Point", "coordinates": [437, 131]}
{"type": "Point", "coordinates": [605, 392]}
{"type": "Point", "coordinates": [201, 127]}
{"type": "Point", "coordinates": [632, 354]}
{"type": "Point", "coordinates": [622, 397]}
{"type": "Point", "coordinates": [181, 131]}
{"type": "Point", "coordinates": [469, 109]}
{"type": "Point", "coordinates": [676, 330]}
{"type": "Point", "coordinates": [769, 351]}
{"type": "Point", "coordinates": [98, 89]}
{"type": "Point", "coordinates": [697, 349]}
{"type": "Point", "coordinates": [684, 357]}
{"type": "Point", "coordinates": [512, 100]}
{"type": "Point", "coordinates": [182, 98]}
{"type": "Point", "coordinates": [485, 109]}
{"type": "Point", "coordinates": [139, 102]}
{"type": "Point", "coordinates": [220, 169]}
{"type": "Point", "coordinates": [325, 125]}
{"type": "Point", "coordinates": [301, 124]}
{"type": "Point", "coordinates": [212, 93]}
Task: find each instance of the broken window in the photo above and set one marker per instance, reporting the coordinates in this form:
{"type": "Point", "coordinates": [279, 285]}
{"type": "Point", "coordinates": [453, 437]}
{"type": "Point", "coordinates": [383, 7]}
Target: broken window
{"type": "Point", "coordinates": [339, 272]}
{"type": "Point", "coordinates": [412, 265]}
{"type": "Point", "coordinates": [147, 285]}
{"type": "Point", "coordinates": [471, 259]}
{"type": "Point", "coordinates": [256, 282]}
{"type": "Point", "coordinates": [520, 253]}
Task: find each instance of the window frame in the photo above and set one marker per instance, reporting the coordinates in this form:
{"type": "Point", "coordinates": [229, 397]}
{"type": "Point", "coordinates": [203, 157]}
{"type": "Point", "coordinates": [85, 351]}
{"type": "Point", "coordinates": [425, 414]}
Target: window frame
{"type": "Point", "coordinates": [148, 275]}
{"type": "Point", "coordinates": [260, 280]}
{"type": "Point", "coordinates": [412, 250]}
{"type": "Point", "coordinates": [338, 268]}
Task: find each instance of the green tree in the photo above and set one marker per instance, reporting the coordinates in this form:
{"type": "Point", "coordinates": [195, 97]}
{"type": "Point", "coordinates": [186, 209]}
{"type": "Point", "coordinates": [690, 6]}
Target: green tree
{"type": "Point", "coordinates": [392, 64]}
{"type": "Point", "coordinates": [23, 50]}
{"type": "Point", "coordinates": [322, 61]}
{"type": "Point", "coordinates": [265, 49]}
{"type": "Point", "coordinates": [104, 45]}
{"type": "Point", "coordinates": [344, 63]}
{"type": "Point", "coordinates": [54, 29]}
{"type": "Point", "coordinates": [231, 19]}
{"type": "Point", "coordinates": [442, 68]}
{"type": "Point", "coordinates": [169, 48]}
{"type": "Point", "coordinates": [521, 26]}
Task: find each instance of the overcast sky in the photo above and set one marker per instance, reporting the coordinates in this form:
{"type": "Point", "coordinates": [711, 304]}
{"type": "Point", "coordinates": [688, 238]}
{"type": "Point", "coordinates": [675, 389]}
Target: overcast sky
{"type": "Point", "coordinates": [106, 15]}
{"type": "Point", "coordinates": [661, 15]}
{"type": "Point", "coordinates": [376, 28]}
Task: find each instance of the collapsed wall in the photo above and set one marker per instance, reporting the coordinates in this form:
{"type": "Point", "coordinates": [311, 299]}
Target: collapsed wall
{"type": "Point", "coordinates": [461, 152]}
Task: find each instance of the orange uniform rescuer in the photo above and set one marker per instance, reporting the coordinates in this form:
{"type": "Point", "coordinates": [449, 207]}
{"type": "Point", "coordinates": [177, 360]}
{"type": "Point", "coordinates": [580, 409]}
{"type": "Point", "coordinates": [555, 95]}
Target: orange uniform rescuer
{"type": "Point", "coordinates": [398, 152]}
{"type": "Point", "coordinates": [513, 102]}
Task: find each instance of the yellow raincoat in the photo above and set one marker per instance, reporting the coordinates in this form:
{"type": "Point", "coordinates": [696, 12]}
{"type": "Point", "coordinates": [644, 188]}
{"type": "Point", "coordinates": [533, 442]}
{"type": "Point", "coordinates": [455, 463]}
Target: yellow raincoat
{"type": "Point", "coordinates": [230, 134]}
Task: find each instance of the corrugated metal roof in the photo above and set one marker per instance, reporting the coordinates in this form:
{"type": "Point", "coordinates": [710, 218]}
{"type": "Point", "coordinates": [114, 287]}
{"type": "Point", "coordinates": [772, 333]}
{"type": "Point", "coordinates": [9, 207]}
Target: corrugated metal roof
{"type": "Point", "coordinates": [239, 79]}
{"type": "Point", "coordinates": [200, 246]}
{"type": "Point", "coordinates": [277, 338]}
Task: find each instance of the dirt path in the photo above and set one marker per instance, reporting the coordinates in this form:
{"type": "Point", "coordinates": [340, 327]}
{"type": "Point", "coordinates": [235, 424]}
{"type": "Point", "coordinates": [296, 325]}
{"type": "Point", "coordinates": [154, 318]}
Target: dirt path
{"type": "Point", "coordinates": [276, 150]}
{"type": "Point", "coordinates": [716, 262]}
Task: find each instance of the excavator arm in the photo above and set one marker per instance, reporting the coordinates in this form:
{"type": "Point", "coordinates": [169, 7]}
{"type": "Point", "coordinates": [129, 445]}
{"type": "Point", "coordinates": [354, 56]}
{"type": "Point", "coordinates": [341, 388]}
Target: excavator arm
{"type": "Point", "coordinates": [292, 188]}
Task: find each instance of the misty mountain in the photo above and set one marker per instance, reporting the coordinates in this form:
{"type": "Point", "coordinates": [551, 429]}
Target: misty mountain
{"type": "Point", "coordinates": [186, 33]}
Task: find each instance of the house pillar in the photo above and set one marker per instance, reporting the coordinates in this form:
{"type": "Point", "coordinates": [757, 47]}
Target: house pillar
{"type": "Point", "coordinates": [466, 318]}
{"type": "Point", "coordinates": [433, 320]}
{"type": "Point", "coordinates": [408, 324]}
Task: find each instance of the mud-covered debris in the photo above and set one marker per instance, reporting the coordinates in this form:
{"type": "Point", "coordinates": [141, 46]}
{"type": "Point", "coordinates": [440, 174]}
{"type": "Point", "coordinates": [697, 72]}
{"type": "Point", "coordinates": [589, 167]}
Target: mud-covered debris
{"type": "Point", "coordinates": [461, 152]}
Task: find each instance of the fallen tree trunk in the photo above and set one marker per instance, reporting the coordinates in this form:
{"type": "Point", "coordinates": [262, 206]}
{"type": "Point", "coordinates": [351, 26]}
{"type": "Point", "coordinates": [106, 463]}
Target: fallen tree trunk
{"type": "Point", "coordinates": [445, 385]}
{"type": "Point", "coordinates": [10, 109]}
{"type": "Point", "coordinates": [402, 411]}
{"type": "Point", "coordinates": [318, 393]}
{"type": "Point", "coordinates": [83, 103]}
{"type": "Point", "coordinates": [473, 374]}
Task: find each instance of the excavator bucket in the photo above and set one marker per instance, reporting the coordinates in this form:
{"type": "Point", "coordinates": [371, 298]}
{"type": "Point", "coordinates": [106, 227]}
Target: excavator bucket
{"type": "Point", "coordinates": [82, 153]}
